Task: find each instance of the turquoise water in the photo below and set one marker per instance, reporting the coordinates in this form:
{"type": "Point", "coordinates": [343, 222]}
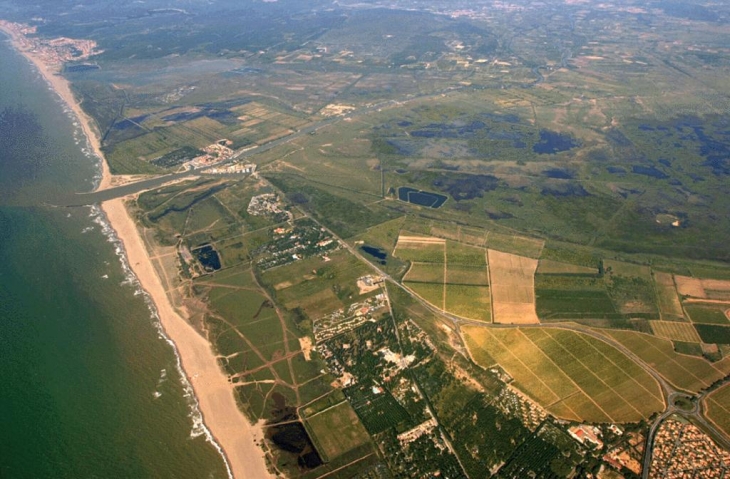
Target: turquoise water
{"type": "Point", "coordinates": [90, 388]}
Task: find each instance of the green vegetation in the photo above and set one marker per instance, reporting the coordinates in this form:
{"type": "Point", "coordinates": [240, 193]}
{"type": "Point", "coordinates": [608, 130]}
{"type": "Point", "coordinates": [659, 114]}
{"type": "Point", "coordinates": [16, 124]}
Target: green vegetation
{"type": "Point", "coordinates": [337, 430]}
{"type": "Point", "coordinates": [706, 314]}
{"type": "Point", "coordinates": [712, 333]}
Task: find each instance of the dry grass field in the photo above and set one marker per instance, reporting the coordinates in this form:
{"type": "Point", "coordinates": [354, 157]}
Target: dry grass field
{"type": "Point", "coordinates": [338, 430]}
{"type": "Point", "coordinates": [685, 372]}
{"type": "Point", "coordinates": [520, 245]}
{"type": "Point", "coordinates": [513, 288]}
{"type": "Point", "coordinates": [572, 375]}
{"type": "Point", "coordinates": [667, 298]}
{"type": "Point", "coordinates": [687, 286]}
{"type": "Point", "coordinates": [675, 331]}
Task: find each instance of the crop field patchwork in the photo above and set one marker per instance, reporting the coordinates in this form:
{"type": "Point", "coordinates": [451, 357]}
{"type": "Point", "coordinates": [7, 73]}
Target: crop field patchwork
{"type": "Point", "coordinates": [667, 298]}
{"type": "Point", "coordinates": [572, 375]}
{"type": "Point", "coordinates": [688, 286]}
{"type": "Point", "coordinates": [685, 372]}
{"type": "Point", "coordinates": [675, 331]}
{"type": "Point", "coordinates": [512, 284]}
{"type": "Point", "coordinates": [458, 253]}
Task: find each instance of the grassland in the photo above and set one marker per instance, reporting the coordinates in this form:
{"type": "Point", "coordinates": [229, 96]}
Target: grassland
{"type": "Point", "coordinates": [718, 408]}
{"type": "Point", "coordinates": [314, 286]}
{"type": "Point", "coordinates": [512, 284]}
{"type": "Point", "coordinates": [337, 430]}
{"type": "Point", "coordinates": [570, 374]}
{"type": "Point", "coordinates": [685, 372]}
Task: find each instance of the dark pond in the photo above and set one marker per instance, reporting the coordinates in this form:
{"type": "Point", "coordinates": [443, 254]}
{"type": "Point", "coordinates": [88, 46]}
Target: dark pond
{"type": "Point", "coordinates": [420, 197]}
{"type": "Point", "coordinates": [208, 257]}
{"type": "Point", "coordinates": [376, 253]}
{"type": "Point", "coordinates": [553, 142]}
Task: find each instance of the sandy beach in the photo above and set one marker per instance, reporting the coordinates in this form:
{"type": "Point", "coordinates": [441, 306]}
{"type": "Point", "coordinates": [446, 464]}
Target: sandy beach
{"type": "Point", "coordinates": [228, 425]}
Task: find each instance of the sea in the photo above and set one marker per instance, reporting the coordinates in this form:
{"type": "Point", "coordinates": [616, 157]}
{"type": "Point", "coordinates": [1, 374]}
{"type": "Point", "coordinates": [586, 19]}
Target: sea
{"type": "Point", "coordinates": [89, 385]}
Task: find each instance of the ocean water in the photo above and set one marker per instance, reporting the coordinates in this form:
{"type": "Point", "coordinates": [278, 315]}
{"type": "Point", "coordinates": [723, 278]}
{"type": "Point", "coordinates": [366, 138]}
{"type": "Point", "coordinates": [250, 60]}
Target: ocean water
{"type": "Point", "coordinates": [90, 387]}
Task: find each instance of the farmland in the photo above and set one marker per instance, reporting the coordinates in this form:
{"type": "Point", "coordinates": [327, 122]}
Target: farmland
{"type": "Point", "coordinates": [718, 409]}
{"type": "Point", "coordinates": [513, 293]}
{"type": "Point", "coordinates": [451, 276]}
{"type": "Point", "coordinates": [675, 331]}
{"type": "Point", "coordinates": [685, 372]}
{"type": "Point", "coordinates": [570, 374]}
{"type": "Point", "coordinates": [668, 300]}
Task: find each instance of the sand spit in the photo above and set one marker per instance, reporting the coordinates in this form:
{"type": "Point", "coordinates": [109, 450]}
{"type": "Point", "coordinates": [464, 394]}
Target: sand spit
{"type": "Point", "coordinates": [231, 432]}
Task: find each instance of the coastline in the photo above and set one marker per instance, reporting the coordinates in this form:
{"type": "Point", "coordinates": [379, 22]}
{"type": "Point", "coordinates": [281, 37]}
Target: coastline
{"type": "Point", "coordinates": [230, 431]}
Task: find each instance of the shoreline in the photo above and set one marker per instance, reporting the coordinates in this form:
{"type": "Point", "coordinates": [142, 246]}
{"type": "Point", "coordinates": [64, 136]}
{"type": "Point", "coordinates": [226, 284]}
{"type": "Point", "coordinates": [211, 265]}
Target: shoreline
{"type": "Point", "coordinates": [230, 432]}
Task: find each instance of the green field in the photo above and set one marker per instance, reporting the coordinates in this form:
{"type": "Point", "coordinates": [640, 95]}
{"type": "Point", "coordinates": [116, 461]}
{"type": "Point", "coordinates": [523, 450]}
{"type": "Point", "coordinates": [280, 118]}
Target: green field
{"type": "Point", "coordinates": [548, 266]}
{"type": "Point", "coordinates": [425, 273]}
{"type": "Point", "coordinates": [472, 302]}
{"type": "Point", "coordinates": [420, 252]}
{"type": "Point", "coordinates": [571, 374]}
{"type": "Point", "coordinates": [433, 293]}
{"type": "Point", "coordinates": [463, 274]}
{"type": "Point", "coordinates": [337, 430]}
{"type": "Point", "coordinates": [462, 254]}
{"type": "Point", "coordinates": [707, 314]}
{"type": "Point", "coordinates": [713, 333]}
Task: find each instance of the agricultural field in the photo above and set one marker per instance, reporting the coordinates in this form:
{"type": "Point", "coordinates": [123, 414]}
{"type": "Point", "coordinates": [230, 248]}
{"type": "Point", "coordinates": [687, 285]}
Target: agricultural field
{"type": "Point", "coordinates": [548, 266]}
{"type": "Point", "coordinates": [573, 297]}
{"type": "Point", "coordinates": [713, 333]}
{"type": "Point", "coordinates": [421, 249]}
{"type": "Point", "coordinates": [685, 372]}
{"type": "Point", "coordinates": [708, 314]}
{"type": "Point", "coordinates": [512, 284]}
{"type": "Point", "coordinates": [337, 430]}
{"type": "Point", "coordinates": [516, 245]}
{"type": "Point", "coordinates": [675, 331]}
{"type": "Point", "coordinates": [717, 405]}
{"type": "Point", "coordinates": [670, 307]}
{"type": "Point", "coordinates": [631, 288]}
{"type": "Point", "coordinates": [572, 375]}
{"type": "Point", "coordinates": [466, 301]}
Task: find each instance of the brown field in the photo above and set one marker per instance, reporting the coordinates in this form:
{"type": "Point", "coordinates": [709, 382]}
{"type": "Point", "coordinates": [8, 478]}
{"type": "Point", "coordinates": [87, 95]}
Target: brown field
{"type": "Point", "coordinates": [521, 245]}
{"type": "Point", "coordinates": [675, 331]}
{"type": "Point", "coordinates": [718, 408]}
{"type": "Point", "coordinates": [685, 372]}
{"type": "Point", "coordinates": [716, 288]}
{"type": "Point", "coordinates": [669, 305]}
{"type": "Point", "coordinates": [572, 375]}
{"type": "Point", "coordinates": [513, 288]}
{"type": "Point", "coordinates": [688, 286]}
